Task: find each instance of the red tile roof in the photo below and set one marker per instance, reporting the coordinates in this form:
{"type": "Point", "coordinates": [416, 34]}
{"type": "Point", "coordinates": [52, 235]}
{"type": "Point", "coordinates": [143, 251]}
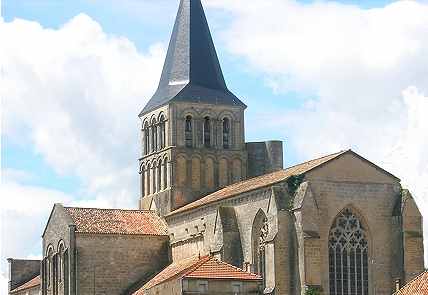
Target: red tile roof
{"type": "Point", "coordinates": [117, 221]}
{"type": "Point", "coordinates": [33, 283]}
{"type": "Point", "coordinates": [214, 269]}
{"type": "Point", "coordinates": [257, 182]}
{"type": "Point", "coordinates": [417, 286]}
{"type": "Point", "coordinates": [202, 268]}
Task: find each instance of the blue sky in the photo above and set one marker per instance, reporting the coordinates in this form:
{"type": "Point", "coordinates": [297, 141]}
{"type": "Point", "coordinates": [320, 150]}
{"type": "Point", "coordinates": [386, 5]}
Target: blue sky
{"type": "Point", "coordinates": [151, 24]}
{"type": "Point", "coordinates": [321, 76]}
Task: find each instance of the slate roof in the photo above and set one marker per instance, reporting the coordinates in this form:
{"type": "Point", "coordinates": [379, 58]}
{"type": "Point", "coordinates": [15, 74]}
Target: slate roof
{"type": "Point", "coordinates": [117, 221]}
{"type": "Point", "coordinates": [257, 182]}
{"type": "Point", "coordinates": [33, 283]}
{"type": "Point", "coordinates": [196, 267]}
{"type": "Point", "coordinates": [417, 286]}
{"type": "Point", "coordinates": [191, 71]}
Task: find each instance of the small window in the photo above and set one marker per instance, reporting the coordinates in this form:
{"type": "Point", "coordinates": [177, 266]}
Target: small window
{"type": "Point", "coordinates": [188, 133]}
{"type": "Point", "coordinates": [185, 285]}
{"type": "Point", "coordinates": [207, 132]}
{"type": "Point", "coordinates": [226, 133]}
{"type": "Point", "coordinates": [202, 287]}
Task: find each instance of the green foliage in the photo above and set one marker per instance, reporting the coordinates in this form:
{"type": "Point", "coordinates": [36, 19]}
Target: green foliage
{"type": "Point", "coordinates": [293, 183]}
{"type": "Point", "coordinates": [313, 290]}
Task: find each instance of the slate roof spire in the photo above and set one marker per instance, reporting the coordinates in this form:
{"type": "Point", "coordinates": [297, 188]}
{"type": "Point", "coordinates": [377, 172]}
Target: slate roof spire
{"type": "Point", "coordinates": [191, 71]}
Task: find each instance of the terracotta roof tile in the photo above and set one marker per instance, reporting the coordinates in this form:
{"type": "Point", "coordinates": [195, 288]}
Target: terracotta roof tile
{"type": "Point", "coordinates": [257, 182]}
{"type": "Point", "coordinates": [33, 283]}
{"type": "Point", "coordinates": [194, 267]}
{"type": "Point", "coordinates": [417, 286]}
{"type": "Point", "coordinates": [117, 221]}
{"type": "Point", "coordinates": [215, 269]}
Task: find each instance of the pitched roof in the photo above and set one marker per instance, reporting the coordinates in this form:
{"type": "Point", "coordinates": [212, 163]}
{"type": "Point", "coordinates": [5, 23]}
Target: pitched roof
{"type": "Point", "coordinates": [417, 286]}
{"type": "Point", "coordinates": [33, 283]}
{"type": "Point", "coordinates": [117, 221]}
{"type": "Point", "coordinates": [205, 267]}
{"type": "Point", "coordinates": [191, 71]}
{"type": "Point", "coordinates": [257, 182]}
{"type": "Point", "coordinates": [214, 269]}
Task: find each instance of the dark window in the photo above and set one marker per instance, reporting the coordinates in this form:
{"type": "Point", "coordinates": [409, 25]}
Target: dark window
{"type": "Point", "coordinates": [226, 133]}
{"type": "Point", "coordinates": [207, 132]}
{"type": "Point", "coordinates": [146, 139]}
{"type": "Point", "coordinates": [154, 136]}
{"type": "Point", "coordinates": [188, 133]}
{"type": "Point", "coordinates": [348, 258]}
{"type": "Point", "coordinates": [165, 173]}
{"type": "Point", "coordinates": [162, 133]}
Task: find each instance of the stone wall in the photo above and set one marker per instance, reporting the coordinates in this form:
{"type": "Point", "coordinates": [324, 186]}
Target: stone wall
{"type": "Point", "coordinates": [264, 157]}
{"type": "Point", "coordinates": [21, 271]}
{"type": "Point", "coordinates": [59, 230]}
{"type": "Point", "coordinates": [110, 264]}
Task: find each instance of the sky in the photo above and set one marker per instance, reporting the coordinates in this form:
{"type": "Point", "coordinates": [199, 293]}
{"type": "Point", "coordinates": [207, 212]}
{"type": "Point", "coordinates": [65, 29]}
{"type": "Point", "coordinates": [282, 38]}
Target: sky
{"type": "Point", "coordinates": [321, 76]}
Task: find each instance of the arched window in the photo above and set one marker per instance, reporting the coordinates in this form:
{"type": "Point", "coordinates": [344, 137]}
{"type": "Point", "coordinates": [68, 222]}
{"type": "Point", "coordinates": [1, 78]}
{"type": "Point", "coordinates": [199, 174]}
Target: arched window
{"type": "Point", "coordinates": [154, 136]}
{"type": "Point", "coordinates": [143, 180]}
{"type": "Point", "coordinates": [348, 256]}
{"type": "Point", "coordinates": [148, 182]}
{"type": "Point", "coordinates": [207, 132]}
{"type": "Point", "coordinates": [165, 173]}
{"type": "Point", "coordinates": [49, 266]}
{"type": "Point", "coordinates": [226, 133]}
{"type": "Point", "coordinates": [259, 234]}
{"type": "Point", "coordinates": [154, 176]}
{"type": "Point", "coordinates": [188, 133]}
{"type": "Point", "coordinates": [60, 262]}
{"type": "Point", "coordinates": [146, 139]}
{"type": "Point", "coordinates": [162, 138]}
{"type": "Point", "coordinates": [159, 175]}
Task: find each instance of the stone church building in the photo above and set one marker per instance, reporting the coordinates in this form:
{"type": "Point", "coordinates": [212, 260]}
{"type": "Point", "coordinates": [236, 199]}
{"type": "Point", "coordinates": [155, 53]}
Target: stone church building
{"type": "Point", "coordinates": [219, 215]}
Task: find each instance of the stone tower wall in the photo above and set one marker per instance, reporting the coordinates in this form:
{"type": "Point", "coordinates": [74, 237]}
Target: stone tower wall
{"type": "Point", "coordinates": [264, 157]}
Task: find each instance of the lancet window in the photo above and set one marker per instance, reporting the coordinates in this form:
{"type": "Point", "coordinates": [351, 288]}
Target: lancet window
{"type": "Point", "coordinates": [348, 256]}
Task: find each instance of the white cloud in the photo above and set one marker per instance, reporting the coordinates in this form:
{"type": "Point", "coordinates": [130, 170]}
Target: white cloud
{"type": "Point", "coordinates": [74, 93]}
{"type": "Point", "coordinates": [366, 68]}
{"type": "Point", "coordinates": [23, 215]}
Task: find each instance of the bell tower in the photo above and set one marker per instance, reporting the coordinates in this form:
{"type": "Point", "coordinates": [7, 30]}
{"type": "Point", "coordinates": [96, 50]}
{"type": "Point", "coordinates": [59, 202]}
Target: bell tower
{"type": "Point", "coordinates": [193, 127]}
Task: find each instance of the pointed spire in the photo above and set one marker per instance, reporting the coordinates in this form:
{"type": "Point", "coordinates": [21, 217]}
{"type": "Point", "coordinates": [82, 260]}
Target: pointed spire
{"type": "Point", "coordinates": [191, 71]}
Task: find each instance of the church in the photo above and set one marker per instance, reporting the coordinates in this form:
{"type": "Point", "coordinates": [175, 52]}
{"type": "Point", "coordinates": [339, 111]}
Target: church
{"type": "Point", "coordinates": [219, 215]}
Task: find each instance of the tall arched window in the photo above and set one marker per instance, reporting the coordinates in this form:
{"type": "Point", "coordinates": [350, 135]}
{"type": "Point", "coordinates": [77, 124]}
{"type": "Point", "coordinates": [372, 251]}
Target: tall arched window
{"type": "Point", "coordinates": [159, 175]}
{"type": "Point", "coordinates": [154, 177]}
{"type": "Point", "coordinates": [188, 131]}
{"type": "Point", "coordinates": [207, 132]}
{"type": "Point", "coordinates": [165, 173]}
{"type": "Point", "coordinates": [162, 138]}
{"type": "Point", "coordinates": [259, 234]}
{"type": "Point", "coordinates": [146, 139]}
{"type": "Point", "coordinates": [154, 136]}
{"type": "Point", "coordinates": [49, 266]}
{"type": "Point", "coordinates": [226, 133]}
{"type": "Point", "coordinates": [348, 256]}
{"type": "Point", "coordinates": [143, 181]}
{"type": "Point", "coordinates": [60, 270]}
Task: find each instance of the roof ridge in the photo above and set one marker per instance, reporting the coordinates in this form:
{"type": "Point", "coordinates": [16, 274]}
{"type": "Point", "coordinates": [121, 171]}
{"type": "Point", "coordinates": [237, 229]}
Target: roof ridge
{"type": "Point", "coordinates": [249, 181]}
{"type": "Point", "coordinates": [319, 158]}
{"type": "Point", "coordinates": [111, 209]}
{"type": "Point", "coordinates": [202, 260]}
{"type": "Point", "coordinates": [22, 287]}
{"type": "Point", "coordinates": [235, 267]}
